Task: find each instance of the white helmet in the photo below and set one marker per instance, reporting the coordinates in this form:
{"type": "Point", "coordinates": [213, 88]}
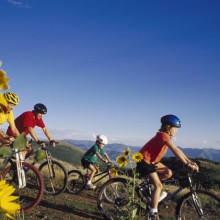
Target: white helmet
{"type": "Point", "coordinates": [102, 139]}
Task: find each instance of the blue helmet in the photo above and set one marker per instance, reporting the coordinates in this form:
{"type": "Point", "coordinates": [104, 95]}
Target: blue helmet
{"type": "Point", "coordinates": [40, 108]}
{"type": "Point", "coordinates": [171, 120]}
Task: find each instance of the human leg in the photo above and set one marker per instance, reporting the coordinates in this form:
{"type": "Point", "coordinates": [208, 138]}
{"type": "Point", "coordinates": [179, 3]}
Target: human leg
{"type": "Point", "coordinates": [163, 171]}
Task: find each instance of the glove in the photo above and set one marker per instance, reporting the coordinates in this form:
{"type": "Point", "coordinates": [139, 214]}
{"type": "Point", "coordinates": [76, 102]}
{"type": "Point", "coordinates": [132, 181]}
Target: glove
{"type": "Point", "coordinates": [52, 142]}
{"type": "Point", "coordinates": [41, 143]}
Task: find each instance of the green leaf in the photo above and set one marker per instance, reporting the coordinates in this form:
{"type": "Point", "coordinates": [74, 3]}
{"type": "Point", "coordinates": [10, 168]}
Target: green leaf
{"type": "Point", "coordinates": [40, 154]}
{"type": "Point", "coordinates": [5, 151]}
{"type": "Point", "coordinates": [20, 142]}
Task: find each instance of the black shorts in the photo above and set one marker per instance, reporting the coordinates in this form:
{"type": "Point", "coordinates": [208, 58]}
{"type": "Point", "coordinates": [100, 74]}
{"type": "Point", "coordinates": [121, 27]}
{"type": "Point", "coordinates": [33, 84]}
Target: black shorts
{"type": "Point", "coordinates": [144, 169]}
{"type": "Point", "coordinates": [85, 163]}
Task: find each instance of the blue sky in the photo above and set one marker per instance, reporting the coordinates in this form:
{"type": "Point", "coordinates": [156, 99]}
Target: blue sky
{"type": "Point", "coordinates": [116, 66]}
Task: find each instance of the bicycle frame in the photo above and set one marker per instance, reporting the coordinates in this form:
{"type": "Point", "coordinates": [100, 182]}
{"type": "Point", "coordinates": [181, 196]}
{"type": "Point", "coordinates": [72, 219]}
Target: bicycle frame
{"type": "Point", "coordinates": [49, 160]}
{"type": "Point", "coordinates": [106, 172]}
{"type": "Point", "coordinates": [179, 189]}
{"type": "Point", "coordinates": [19, 166]}
{"type": "Point", "coordinates": [20, 170]}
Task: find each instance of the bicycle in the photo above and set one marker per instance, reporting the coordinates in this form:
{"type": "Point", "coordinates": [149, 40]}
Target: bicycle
{"type": "Point", "coordinates": [53, 172]}
{"type": "Point", "coordinates": [29, 185]}
{"type": "Point", "coordinates": [77, 180]}
{"type": "Point", "coordinates": [193, 205]}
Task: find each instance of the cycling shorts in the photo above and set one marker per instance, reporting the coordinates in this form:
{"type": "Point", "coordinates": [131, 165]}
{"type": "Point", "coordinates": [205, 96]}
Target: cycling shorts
{"type": "Point", "coordinates": [85, 163]}
{"type": "Point", "coordinates": [144, 169]}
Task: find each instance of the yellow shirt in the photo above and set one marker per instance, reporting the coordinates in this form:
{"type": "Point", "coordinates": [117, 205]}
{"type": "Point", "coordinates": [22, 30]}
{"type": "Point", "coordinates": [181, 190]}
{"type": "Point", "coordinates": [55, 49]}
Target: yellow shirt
{"type": "Point", "coordinates": [9, 117]}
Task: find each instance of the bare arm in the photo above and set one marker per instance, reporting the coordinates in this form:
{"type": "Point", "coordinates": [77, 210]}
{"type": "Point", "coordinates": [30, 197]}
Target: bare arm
{"type": "Point", "coordinates": [32, 133]}
{"type": "Point", "coordinates": [182, 157]}
{"type": "Point", "coordinates": [14, 129]}
{"type": "Point", "coordinates": [100, 157]}
{"type": "Point", "coordinates": [47, 133]}
{"type": "Point", "coordinates": [107, 157]}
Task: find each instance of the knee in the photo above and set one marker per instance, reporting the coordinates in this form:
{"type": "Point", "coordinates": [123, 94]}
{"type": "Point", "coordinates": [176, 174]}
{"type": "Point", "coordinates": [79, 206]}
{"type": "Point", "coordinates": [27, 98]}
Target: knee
{"type": "Point", "coordinates": [169, 173]}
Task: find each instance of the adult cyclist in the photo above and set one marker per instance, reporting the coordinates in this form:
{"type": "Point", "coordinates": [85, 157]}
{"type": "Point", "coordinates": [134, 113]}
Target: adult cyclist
{"type": "Point", "coordinates": [8, 101]}
{"type": "Point", "coordinates": [27, 121]}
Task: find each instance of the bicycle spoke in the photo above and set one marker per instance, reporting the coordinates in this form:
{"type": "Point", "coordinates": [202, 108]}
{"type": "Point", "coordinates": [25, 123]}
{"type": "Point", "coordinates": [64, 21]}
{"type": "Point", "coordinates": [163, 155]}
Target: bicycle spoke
{"type": "Point", "coordinates": [115, 201]}
{"type": "Point", "coordinates": [76, 182]}
{"type": "Point", "coordinates": [202, 206]}
{"type": "Point", "coordinates": [54, 176]}
{"type": "Point", "coordinates": [30, 195]}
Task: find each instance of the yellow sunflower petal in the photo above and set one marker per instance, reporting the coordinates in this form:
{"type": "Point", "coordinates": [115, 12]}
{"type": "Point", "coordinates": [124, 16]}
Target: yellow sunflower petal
{"type": "Point", "coordinates": [2, 73]}
{"type": "Point", "coordinates": [137, 157]}
{"type": "Point", "coordinates": [3, 100]}
{"type": "Point", "coordinates": [127, 151]}
{"type": "Point", "coordinates": [9, 216]}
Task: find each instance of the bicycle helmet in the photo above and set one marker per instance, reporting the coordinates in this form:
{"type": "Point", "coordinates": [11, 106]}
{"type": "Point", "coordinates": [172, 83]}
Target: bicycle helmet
{"type": "Point", "coordinates": [172, 120]}
{"type": "Point", "coordinates": [11, 98]}
{"type": "Point", "coordinates": [40, 108]}
{"type": "Point", "coordinates": [102, 139]}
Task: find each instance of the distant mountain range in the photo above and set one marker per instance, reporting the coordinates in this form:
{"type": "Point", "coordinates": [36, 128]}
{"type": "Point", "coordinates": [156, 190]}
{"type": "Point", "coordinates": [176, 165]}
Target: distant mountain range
{"type": "Point", "coordinates": [115, 149]}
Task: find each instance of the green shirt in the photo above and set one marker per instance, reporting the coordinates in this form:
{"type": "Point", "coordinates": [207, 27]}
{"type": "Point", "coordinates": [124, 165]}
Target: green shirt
{"type": "Point", "coordinates": [90, 155]}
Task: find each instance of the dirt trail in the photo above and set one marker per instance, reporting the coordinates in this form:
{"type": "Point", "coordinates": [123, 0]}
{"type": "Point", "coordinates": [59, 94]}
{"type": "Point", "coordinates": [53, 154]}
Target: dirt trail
{"type": "Point", "coordinates": [66, 207]}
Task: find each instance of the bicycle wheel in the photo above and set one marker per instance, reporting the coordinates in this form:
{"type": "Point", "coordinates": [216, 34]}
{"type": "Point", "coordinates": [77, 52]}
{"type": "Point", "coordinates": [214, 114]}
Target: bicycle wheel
{"type": "Point", "coordinates": [120, 203]}
{"type": "Point", "coordinates": [31, 194]}
{"type": "Point", "coordinates": [201, 205]}
{"type": "Point", "coordinates": [54, 176]}
{"type": "Point", "coordinates": [76, 182]}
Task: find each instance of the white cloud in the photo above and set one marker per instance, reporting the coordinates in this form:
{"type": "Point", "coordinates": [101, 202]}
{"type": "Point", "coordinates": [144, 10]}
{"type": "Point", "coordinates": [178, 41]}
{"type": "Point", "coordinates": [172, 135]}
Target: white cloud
{"type": "Point", "coordinates": [19, 4]}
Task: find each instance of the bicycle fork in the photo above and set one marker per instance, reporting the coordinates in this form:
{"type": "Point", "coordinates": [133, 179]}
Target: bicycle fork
{"type": "Point", "coordinates": [20, 170]}
{"type": "Point", "coordinates": [50, 166]}
{"type": "Point", "coordinates": [51, 170]}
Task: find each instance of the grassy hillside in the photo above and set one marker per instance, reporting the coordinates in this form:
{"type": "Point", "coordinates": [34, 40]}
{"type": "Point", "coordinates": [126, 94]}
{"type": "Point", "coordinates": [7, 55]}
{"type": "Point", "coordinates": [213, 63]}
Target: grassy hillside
{"type": "Point", "coordinates": [209, 175]}
{"type": "Point", "coordinates": [66, 153]}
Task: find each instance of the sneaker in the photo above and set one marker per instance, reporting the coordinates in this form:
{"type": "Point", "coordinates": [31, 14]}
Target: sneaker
{"type": "Point", "coordinates": [154, 216]}
{"type": "Point", "coordinates": [90, 186]}
{"type": "Point", "coordinates": [163, 195]}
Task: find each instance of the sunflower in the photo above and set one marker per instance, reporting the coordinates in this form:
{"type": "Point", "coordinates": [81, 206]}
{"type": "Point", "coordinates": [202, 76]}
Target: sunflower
{"type": "Point", "coordinates": [137, 157]}
{"type": "Point", "coordinates": [3, 80]}
{"type": "Point", "coordinates": [7, 205]}
{"type": "Point", "coordinates": [114, 172]}
{"type": "Point", "coordinates": [122, 160]}
{"type": "Point", "coordinates": [127, 151]}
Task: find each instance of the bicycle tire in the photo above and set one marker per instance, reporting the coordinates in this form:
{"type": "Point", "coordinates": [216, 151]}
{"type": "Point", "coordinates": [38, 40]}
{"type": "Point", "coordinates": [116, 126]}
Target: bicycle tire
{"type": "Point", "coordinates": [76, 182]}
{"type": "Point", "coordinates": [57, 184]}
{"type": "Point", "coordinates": [31, 194]}
{"type": "Point", "coordinates": [203, 202]}
{"type": "Point", "coordinates": [121, 205]}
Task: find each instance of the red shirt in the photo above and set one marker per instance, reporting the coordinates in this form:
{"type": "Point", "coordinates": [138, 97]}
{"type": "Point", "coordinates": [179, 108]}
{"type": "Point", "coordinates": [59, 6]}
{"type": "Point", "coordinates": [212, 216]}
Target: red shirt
{"type": "Point", "coordinates": [154, 150]}
{"type": "Point", "coordinates": [25, 120]}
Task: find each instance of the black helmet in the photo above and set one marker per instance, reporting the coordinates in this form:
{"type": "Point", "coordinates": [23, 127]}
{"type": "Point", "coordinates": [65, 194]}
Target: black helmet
{"type": "Point", "coordinates": [40, 108]}
{"type": "Point", "coordinates": [172, 120]}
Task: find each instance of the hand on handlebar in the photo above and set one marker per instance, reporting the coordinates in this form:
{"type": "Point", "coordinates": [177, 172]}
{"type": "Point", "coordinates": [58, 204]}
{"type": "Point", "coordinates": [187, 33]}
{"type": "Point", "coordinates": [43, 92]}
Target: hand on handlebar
{"type": "Point", "coordinates": [41, 143]}
{"type": "Point", "coordinates": [52, 143]}
{"type": "Point", "coordinates": [193, 166]}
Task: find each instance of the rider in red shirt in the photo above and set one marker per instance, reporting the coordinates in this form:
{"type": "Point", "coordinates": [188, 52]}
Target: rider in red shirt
{"type": "Point", "coordinates": [28, 120]}
{"type": "Point", "coordinates": [153, 151]}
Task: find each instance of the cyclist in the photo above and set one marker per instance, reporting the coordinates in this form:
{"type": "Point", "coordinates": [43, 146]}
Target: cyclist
{"type": "Point", "coordinates": [27, 121]}
{"type": "Point", "coordinates": [8, 101]}
{"type": "Point", "coordinates": [91, 156]}
{"type": "Point", "coordinates": [153, 151]}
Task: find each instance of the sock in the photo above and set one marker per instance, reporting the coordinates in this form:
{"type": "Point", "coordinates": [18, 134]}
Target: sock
{"type": "Point", "coordinates": [153, 210]}
{"type": "Point", "coordinates": [89, 182]}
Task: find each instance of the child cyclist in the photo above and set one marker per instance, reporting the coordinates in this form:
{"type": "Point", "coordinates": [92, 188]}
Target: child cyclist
{"type": "Point", "coordinates": [153, 151]}
{"type": "Point", "coordinates": [91, 156]}
{"type": "Point", "coordinates": [8, 101]}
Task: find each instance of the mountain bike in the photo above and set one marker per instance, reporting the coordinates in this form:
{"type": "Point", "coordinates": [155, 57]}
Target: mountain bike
{"type": "Point", "coordinates": [29, 185]}
{"type": "Point", "coordinates": [77, 180]}
{"type": "Point", "coordinates": [53, 172]}
{"type": "Point", "coordinates": [193, 205]}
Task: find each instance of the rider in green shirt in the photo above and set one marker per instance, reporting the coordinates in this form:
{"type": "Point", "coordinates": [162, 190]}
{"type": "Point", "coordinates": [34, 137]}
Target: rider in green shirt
{"type": "Point", "coordinates": [92, 155]}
